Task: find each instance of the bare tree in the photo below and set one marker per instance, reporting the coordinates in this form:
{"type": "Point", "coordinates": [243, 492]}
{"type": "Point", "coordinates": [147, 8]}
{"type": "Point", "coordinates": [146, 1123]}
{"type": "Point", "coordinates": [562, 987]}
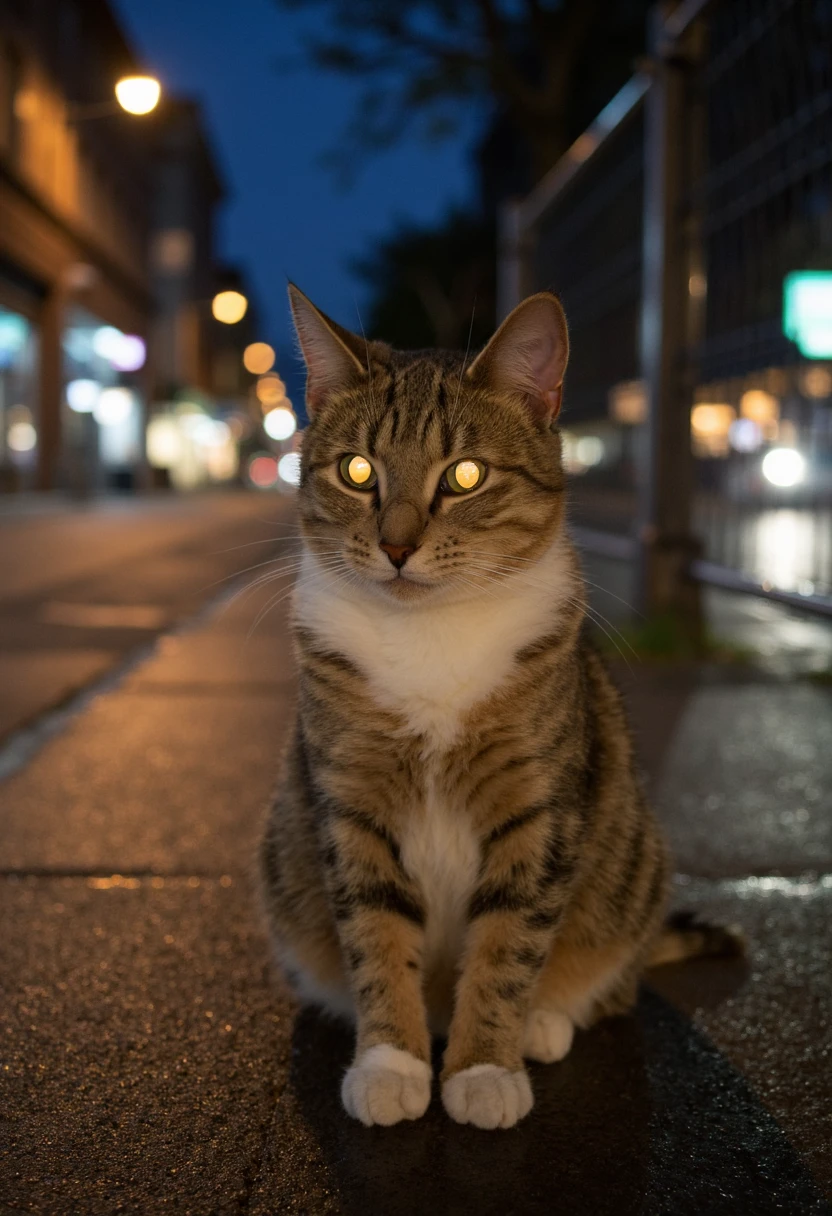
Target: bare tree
{"type": "Point", "coordinates": [417, 59]}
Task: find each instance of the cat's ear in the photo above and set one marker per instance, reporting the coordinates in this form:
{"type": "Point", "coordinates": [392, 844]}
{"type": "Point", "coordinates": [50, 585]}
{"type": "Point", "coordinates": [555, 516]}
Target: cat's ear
{"type": "Point", "coordinates": [528, 355]}
{"type": "Point", "coordinates": [332, 354]}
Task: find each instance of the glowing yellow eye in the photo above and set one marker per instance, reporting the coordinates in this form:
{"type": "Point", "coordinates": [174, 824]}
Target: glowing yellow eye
{"type": "Point", "coordinates": [358, 472]}
{"type": "Point", "coordinates": [467, 474]}
{"type": "Point", "coordinates": [463, 476]}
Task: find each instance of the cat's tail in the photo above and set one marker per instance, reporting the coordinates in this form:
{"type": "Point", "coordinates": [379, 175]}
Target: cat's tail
{"type": "Point", "coordinates": [686, 936]}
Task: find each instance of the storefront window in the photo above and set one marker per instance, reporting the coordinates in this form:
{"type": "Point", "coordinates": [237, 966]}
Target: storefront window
{"type": "Point", "coordinates": [18, 414]}
{"type": "Point", "coordinates": [103, 411]}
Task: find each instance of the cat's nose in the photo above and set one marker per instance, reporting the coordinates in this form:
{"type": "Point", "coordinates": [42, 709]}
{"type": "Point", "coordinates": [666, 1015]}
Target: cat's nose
{"type": "Point", "coordinates": [398, 554]}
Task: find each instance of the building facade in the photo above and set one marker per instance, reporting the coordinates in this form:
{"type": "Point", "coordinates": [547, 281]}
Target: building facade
{"type": "Point", "coordinates": [75, 217]}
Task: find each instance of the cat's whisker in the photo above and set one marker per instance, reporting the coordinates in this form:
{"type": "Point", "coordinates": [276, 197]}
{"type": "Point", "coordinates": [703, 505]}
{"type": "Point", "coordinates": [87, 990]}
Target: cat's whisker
{"type": "Point", "coordinates": [276, 598]}
{"type": "Point", "coordinates": [594, 614]}
{"type": "Point", "coordinates": [256, 566]}
{"type": "Point", "coordinates": [590, 613]}
{"type": "Point", "coordinates": [607, 591]}
{"type": "Point", "coordinates": [262, 580]}
{"type": "Point", "coordinates": [452, 419]}
{"type": "Point", "coordinates": [478, 587]}
{"type": "Point", "coordinates": [280, 596]}
{"type": "Point", "coordinates": [367, 351]}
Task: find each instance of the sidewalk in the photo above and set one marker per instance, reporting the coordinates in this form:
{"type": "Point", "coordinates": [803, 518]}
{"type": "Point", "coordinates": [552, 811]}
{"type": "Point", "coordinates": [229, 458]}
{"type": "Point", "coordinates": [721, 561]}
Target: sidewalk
{"type": "Point", "coordinates": [152, 1062]}
{"type": "Point", "coordinates": [85, 586]}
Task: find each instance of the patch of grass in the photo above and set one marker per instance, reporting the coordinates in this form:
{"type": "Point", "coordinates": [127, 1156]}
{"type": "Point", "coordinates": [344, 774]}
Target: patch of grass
{"type": "Point", "coordinates": [669, 639]}
{"type": "Point", "coordinates": [824, 678]}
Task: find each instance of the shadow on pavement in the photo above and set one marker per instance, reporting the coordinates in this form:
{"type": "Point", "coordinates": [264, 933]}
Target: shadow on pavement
{"type": "Point", "coordinates": [644, 1116]}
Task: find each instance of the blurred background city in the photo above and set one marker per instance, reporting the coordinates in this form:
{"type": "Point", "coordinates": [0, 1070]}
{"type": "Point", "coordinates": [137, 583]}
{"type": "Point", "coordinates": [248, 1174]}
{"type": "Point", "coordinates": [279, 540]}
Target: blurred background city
{"type": "Point", "coordinates": [418, 173]}
{"type": "Point", "coordinates": [417, 167]}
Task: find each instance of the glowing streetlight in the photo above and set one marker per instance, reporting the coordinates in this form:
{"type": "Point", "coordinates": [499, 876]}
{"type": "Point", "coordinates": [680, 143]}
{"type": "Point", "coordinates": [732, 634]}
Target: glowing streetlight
{"type": "Point", "coordinates": [138, 94]}
{"type": "Point", "coordinates": [229, 307]}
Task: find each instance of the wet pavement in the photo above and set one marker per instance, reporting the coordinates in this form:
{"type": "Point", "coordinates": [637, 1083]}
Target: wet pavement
{"type": "Point", "coordinates": [151, 1060]}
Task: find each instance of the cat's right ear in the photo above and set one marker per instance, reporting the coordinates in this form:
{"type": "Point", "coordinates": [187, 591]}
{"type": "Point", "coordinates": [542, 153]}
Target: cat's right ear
{"type": "Point", "coordinates": [332, 362]}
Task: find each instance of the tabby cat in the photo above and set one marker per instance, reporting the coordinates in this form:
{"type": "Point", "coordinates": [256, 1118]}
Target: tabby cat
{"type": "Point", "coordinates": [460, 844]}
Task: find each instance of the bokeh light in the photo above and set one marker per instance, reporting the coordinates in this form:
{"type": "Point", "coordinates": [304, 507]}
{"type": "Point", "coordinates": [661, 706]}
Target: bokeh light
{"type": "Point", "coordinates": [258, 357]}
{"type": "Point", "coordinates": [21, 437]}
{"type": "Point", "coordinates": [761, 407]}
{"type": "Point", "coordinates": [229, 307]}
{"type": "Point", "coordinates": [124, 352]}
{"type": "Point", "coordinates": [784, 467]}
{"type": "Point", "coordinates": [745, 435]}
{"type": "Point", "coordinates": [81, 395]}
{"type": "Point", "coordinates": [289, 468]}
{"type": "Point", "coordinates": [262, 471]}
{"type": "Point", "coordinates": [817, 382]}
{"type": "Point", "coordinates": [270, 389]}
{"type": "Point", "coordinates": [280, 423]}
{"type": "Point", "coordinates": [163, 442]}
{"type": "Point", "coordinates": [113, 406]}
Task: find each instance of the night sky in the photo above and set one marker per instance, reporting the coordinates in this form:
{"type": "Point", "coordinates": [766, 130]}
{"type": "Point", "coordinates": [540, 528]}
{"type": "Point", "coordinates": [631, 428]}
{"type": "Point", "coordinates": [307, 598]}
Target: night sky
{"type": "Point", "coordinates": [287, 215]}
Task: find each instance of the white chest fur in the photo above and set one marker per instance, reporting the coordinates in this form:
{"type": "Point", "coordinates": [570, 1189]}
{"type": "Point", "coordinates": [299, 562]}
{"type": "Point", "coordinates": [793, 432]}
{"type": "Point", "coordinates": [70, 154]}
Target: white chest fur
{"type": "Point", "coordinates": [431, 663]}
{"type": "Point", "coordinates": [440, 851]}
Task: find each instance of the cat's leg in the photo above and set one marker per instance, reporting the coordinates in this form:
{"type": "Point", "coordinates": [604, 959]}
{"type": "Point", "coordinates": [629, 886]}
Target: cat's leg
{"type": "Point", "coordinates": [380, 922]}
{"type": "Point", "coordinates": [597, 957]}
{"type": "Point", "coordinates": [513, 917]}
{"type": "Point", "coordinates": [576, 982]}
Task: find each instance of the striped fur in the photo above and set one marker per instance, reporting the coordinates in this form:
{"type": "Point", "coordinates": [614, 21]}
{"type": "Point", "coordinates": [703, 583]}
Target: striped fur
{"type": "Point", "coordinates": [459, 843]}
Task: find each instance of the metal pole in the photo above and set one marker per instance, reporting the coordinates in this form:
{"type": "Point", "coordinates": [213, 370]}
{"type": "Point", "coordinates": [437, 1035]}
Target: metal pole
{"type": "Point", "coordinates": [512, 259]}
{"type": "Point", "coordinates": [667, 545]}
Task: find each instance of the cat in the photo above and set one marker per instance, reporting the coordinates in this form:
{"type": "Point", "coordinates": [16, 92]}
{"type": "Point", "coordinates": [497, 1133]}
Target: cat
{"type": "Point", "coordinates": [460, 844]}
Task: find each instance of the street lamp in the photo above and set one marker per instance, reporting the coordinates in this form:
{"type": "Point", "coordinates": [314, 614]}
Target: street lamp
{"type": "Point", "coordinates": [138, 94]}
{"type": "Point", "coordinates": [135, 94]}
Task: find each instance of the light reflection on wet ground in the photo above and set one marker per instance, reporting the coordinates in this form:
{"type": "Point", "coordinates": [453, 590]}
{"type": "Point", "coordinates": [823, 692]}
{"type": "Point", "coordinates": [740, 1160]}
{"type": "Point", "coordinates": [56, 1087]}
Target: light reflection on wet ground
{"type": "Point", "coordinates": [789, 547]}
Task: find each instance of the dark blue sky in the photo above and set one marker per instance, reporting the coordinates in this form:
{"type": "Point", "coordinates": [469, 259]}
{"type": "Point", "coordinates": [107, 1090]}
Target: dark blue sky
{"type": "Point", "coordinates": [286, 216]}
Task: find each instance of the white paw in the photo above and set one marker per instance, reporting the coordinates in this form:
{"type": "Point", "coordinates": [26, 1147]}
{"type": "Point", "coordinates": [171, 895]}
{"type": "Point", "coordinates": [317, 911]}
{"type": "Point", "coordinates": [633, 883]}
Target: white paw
{"type": "Point", "coordinates": [487, 1096]}
{"type": "Point", "coordinates": [548, 1036]}
{"type": "Point", "coordinates": [385, 1086]}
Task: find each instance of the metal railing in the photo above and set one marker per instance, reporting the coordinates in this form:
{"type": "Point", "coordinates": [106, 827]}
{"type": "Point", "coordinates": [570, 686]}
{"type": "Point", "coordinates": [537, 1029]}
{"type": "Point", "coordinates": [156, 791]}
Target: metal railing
{"type": "Point", "coordinates": [669, 230]}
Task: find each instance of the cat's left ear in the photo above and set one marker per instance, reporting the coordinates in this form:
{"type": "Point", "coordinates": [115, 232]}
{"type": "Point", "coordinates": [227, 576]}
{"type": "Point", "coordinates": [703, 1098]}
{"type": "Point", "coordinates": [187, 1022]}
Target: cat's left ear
{"type": "Point", "coordinates": [528, 355]}
{"type": "Point", "coordinates": [332, 354]}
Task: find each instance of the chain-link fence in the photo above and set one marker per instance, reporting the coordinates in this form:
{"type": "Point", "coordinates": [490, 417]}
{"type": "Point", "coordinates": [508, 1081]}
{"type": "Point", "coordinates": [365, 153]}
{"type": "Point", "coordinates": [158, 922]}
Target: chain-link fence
{"type": "Point", "coordinates": [744, 90]}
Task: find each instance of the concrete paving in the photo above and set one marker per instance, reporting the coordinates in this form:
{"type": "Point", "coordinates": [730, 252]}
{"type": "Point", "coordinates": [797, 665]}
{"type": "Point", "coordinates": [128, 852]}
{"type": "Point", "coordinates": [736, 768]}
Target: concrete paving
{"type": "Point", "coordinates": [151, 1060]}
{"type": "Point", "coordinates": [82, 588]}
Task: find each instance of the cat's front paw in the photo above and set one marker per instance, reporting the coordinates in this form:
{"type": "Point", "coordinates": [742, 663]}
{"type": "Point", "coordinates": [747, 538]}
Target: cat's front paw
{"type": "Point", "coordinates": [548, 1036]}
{"type": "Point", "coordinates": [386, 1085]}
{"type": "Point", "coordinates": [487, 1096]}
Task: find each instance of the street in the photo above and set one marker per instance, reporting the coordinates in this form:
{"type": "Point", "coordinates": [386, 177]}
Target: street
{"type": "Point", "coordinates": [151, 1058]}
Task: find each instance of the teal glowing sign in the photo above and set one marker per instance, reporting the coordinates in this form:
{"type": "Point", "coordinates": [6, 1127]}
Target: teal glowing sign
{"type": "Point", "coordinates": [807, 312]}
